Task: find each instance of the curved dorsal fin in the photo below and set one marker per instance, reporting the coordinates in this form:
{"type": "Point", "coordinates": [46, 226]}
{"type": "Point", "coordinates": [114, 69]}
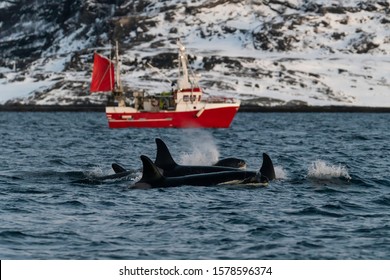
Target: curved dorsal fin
{"type": "Point", "coordinates": [164, 158]}
{"type": "Point", "coordinates": [117, 168]}
{"type": "Point", "coordinates": [267, 170]}
{"type": "Point", "coordinates": [150, 171]}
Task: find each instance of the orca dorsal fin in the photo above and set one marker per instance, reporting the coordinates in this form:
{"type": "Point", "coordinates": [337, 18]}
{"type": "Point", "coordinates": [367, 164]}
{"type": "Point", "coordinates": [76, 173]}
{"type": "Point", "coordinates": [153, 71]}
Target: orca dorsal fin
{"type": "Point", "coordinates": [164, 158]}
{"type": "Point", "coordinates": [117, 168]}
{"type": "Point", "coordinates": [150, 172]}
{"type": "Point", "coordinates": [267, 170]}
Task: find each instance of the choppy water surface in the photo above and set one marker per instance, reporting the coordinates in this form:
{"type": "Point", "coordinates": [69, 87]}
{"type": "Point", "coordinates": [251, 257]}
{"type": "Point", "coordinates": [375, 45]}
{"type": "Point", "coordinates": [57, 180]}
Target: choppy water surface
{"type": "Point", "coordinates": [331, 199]}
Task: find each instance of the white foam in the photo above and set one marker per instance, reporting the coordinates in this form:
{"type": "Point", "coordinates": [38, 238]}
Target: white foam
{"type": "Point", "coordinates": [325, 171]}
{"type": "Point", "coordinates": [98, 171]}
{"type": "Point", "coordinates": [280, 173]}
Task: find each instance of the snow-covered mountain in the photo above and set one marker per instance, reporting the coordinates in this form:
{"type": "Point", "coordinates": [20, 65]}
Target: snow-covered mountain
{"type": "Point", "coordinates": [319, 52]}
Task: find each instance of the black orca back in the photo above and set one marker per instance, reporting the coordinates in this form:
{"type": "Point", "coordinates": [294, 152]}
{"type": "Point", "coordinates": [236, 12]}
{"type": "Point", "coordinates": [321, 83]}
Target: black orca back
{"type": "Point", "coordinates": [231, 162]}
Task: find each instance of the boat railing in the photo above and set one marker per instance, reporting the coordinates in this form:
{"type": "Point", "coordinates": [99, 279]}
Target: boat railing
{"type": "Point", "coordinates": [219, 99]}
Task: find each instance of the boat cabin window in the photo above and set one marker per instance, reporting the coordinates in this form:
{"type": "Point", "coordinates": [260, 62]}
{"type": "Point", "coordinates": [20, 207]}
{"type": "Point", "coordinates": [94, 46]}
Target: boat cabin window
{"type": "Point", "coordinates": [186, 98]}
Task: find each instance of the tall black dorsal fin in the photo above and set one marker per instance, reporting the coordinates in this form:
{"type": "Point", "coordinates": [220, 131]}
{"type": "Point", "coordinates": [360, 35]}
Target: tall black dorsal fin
{"type": "Point", "coordinates": [267, 170]}
{"type": "Point", "coordinates": [150, 172]}
{"type": "Point", "coordinates": [164, 158]}
{"type": "Point", "coordinates": [117, 168]}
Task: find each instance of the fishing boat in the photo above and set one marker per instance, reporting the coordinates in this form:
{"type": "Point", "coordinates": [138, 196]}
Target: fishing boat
{"type": "Point", "coordinates": [182, 107]}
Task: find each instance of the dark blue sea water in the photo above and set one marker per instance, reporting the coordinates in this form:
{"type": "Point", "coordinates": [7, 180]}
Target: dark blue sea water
{"type": "Point", "coordinates": [331, 199]}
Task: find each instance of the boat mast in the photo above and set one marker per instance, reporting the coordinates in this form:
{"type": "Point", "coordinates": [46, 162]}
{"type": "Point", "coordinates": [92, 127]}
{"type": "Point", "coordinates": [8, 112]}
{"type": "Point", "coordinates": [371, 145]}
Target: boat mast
{"type": "Point", "coordinates": [118, 86]}
{"type": "Point", "coordinates": [118, 89]}
{"type": "Point", "coordinates": [183, 81]}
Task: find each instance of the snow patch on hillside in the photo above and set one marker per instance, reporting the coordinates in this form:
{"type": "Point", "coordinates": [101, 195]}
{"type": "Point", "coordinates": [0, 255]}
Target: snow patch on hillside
{"type": "Point", "coordinates": [322, 52]}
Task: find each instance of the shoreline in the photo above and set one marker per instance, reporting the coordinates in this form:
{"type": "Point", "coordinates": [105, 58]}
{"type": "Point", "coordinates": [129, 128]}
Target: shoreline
{"type": "Point", "coordinates": [245, 108]}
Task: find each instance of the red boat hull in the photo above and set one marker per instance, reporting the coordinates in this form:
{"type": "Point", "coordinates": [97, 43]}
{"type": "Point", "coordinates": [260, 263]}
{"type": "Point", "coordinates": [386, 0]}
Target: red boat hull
{"type": "Point", "coordinates": [208, 118]}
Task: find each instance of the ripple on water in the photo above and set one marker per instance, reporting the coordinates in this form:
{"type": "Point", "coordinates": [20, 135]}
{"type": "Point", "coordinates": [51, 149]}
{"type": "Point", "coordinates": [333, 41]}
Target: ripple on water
{"type": "Point", "coordinates": [383, 200]}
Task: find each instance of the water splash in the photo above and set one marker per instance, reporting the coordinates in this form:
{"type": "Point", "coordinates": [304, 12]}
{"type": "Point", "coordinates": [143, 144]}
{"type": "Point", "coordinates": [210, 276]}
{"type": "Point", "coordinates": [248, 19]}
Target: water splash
{"type": "Point", "coordinates": [280, 173]}
{"type": "Point", "coordinates": [98, 171]}
{"type": "Point", "coordinates": [202, 149]}
{"type": "Point", "coordinates": [325, 171]}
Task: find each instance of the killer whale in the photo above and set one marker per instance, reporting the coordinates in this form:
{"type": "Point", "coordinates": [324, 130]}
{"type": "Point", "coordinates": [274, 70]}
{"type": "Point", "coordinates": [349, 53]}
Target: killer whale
{"type": "Point", "coordinates": [120, 172]}
{"type": "Point", "coordinates": [231, 162]}
{"type": "Point", "coordinates": [153, 178]}
{"type": "Point", "coordinates": [169, 167]}
{"type": "Point", "coordinates": [225, 162]}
